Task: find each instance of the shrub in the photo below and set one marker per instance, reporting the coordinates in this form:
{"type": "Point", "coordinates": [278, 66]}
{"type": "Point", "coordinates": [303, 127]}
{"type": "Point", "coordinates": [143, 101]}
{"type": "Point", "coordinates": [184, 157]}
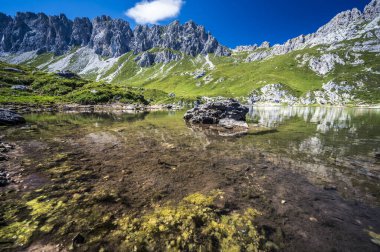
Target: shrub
{"type": "Point", "coordinates": [104, 93]}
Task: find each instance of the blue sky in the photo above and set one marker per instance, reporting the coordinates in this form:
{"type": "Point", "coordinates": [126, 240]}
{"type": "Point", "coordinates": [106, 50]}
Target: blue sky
{"type": "Point", "coordinates": [235, 22]}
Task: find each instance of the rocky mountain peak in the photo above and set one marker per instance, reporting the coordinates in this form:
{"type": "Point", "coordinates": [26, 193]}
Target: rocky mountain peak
{"type": "Point", "coordinates": [342, 20]}
{"type": "Point", "coordinates": [191, 24]}
{"type": "Point", "coordinates": [246, 48]}
{"type": "Point", "coordinates": [109, 37]}
{"type": "Point", "coordinates": [347, 25]}
{"type": "Point", "coordinates": [372, 10]}
{"type": "Point", "coordinates": [175, 23]}
{"type": "Point", "coordinates": [265, 44]}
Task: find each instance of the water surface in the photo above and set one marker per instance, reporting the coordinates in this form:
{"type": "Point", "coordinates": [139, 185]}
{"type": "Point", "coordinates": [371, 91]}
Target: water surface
{"type": "Point", "coordinates": [323, 162]}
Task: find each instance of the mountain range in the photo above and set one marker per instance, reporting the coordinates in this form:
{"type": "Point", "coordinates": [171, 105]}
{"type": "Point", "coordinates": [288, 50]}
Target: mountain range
{"type": "Point", "coordinates": [338, 64]}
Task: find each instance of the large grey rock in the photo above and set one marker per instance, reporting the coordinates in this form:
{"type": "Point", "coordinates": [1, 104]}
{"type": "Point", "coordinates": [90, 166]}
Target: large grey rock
{"type": "Point", "coordinates": [10, 118]}
{"type": "Point", "coordinates": [226, 113]}
{"type": "Point", "coordinates": [67, 74]}
{"type": "Point", "coordinates": [166, 57]}
{"type": "Point", "coordinates": [272, 93]}
{"type": "Point", "coordinates": [331, 93]}
{"type": "Point", "coordinates": [325, 64]}
{"type": "Point", "coordinates": [145, 60]}
{"type": "Point", "coordinates": [4, 178]}
{"type": "Point", "coordinates": [19, 87]}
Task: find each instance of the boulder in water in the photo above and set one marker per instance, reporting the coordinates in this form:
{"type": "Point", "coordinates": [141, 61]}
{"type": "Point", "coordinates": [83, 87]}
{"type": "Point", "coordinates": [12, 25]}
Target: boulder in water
{"type": "Point", "coordinates": [227, 113]}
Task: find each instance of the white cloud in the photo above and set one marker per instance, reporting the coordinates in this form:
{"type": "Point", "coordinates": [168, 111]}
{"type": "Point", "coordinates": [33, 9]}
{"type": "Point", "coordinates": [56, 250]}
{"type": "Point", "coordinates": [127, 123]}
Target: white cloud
{"type": "Point", "coordinates": [151, 12]}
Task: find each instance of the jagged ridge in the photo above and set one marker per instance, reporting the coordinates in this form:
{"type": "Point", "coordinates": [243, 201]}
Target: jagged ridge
{"type": "Point", "coordinates": [347, 25]}
{"type": "Point", "coordinates": [108, 37]}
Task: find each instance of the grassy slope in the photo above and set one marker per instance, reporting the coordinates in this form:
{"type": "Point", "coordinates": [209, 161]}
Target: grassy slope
{"type": "Point", "coordinates": [47, 88]}
{"type": "Point", "coordinates": [240, 78]}
{"type": "Point", "coordinates": [232, 76]}
{"type": "Point", "coordinates": [27, 78]}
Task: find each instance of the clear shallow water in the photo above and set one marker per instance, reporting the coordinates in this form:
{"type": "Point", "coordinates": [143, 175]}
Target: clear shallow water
{"type": "Point", "coordinates": [319, 160]}
{"type": "Point", "coordinates": [320, 133]}
{"type": "Point", "coordinates": [341, 137]}
{"type": "Point", "coordinates": [338, 145]}
{"type": "Point", "coordinates": [329, 145]}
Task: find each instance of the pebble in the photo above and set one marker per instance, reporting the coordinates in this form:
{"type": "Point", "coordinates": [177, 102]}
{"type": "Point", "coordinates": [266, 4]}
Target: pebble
{"type": "Point", "coordinates": [78, 239]}
{"type": "Point", "coordinates": [312, 219]}
{"type": "Point", "coordinates": [330, 188]}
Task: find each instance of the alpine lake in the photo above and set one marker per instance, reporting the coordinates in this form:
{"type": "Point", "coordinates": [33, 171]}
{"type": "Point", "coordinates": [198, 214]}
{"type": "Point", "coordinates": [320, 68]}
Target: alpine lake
{"type": "Point", "coordinates": [129, 181]}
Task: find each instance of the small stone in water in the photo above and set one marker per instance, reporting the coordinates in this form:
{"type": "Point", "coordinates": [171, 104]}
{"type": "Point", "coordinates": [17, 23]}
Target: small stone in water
{"type": "Point", "coordinates": [283, 202]}
{"type": "Point", "coordinates": [330, 188]}
{"type": "Point", "coordinates": [312, 219]}
{"type": "Point", "coordinates": [78, 239]}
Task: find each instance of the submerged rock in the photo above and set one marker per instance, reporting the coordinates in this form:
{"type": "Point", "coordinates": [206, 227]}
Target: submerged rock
{"type": "Point", "coordinates": [78, 239]}
{"type": "Point", "coordinates": [4, 178]}
{"type": "Point", "coordinates": [4, 147]}
{"type": "Point", "coordinates": [10, 118]}
{"type": "Point", "coordinates": [225, 113]}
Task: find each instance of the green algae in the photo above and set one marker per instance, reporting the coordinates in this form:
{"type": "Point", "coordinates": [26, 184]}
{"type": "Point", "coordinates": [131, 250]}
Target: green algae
{"type": "Point", "coordinates": [20, 228]}
{"type": "Point", "coordinates": [194, 224]}
{"type": "Point", "coordinates": [375, 237]}
{"type": "Point", "coordinates": [18, 233]}
{"type": "Point", "coordinates": [42, 206]}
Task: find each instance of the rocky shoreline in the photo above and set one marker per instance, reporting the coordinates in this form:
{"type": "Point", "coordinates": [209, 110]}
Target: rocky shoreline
{"type": "Point", "coordinates": [125, 108]}
{"type": "Point", "coordinates": [114, 107]}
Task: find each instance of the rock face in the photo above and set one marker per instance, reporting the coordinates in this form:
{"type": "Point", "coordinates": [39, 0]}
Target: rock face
{"type": "Point", "coordinates": [147, 59]}
{"type": "Point", "coordinates": [325, 64]}
{"type": "Point", "coordinates": [331, 93]}
{"type": "Point", "coordinates": [246, 48]}
{"type": "Point", "coordinates": [272, 93]}
{"type": "Point", "coordinates": [20, 87]}
{"type": "Point", "coordinates": [226, 113]}
{"type": "Point", "coordinates": [108, 37]}
{"type": "Point", "coordinates": [10, 118]}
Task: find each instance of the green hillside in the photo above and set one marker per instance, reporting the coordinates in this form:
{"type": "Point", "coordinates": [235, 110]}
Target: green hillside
{"type": "Point", "coordinates": [217, 76]}
{"type": "Point", "coordinates": [20, 84]}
